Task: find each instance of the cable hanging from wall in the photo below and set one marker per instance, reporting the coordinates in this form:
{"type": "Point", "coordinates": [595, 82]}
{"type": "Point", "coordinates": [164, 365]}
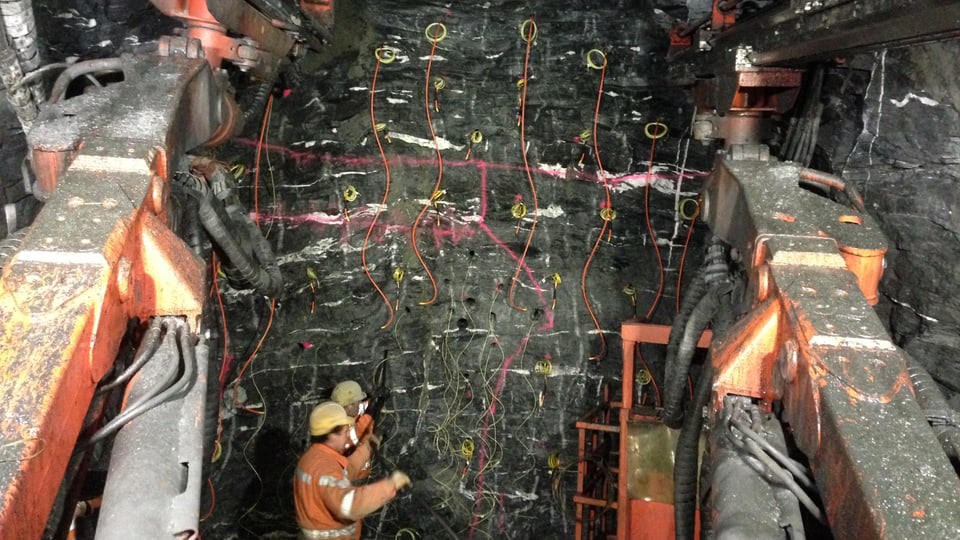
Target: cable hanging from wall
{"type": "Point", "coordinates": [435, 32]}
{"type": "Point", "coordinates": [528, 32]}
{"type": "Point", "coordinates": [607, 213]}
{"type": "Point", "coordinates": [256, 172]}
{"type": "Point", "coordinates": [691, 216]}
{"type": "Point", "coordinates": [384, 55]}
{"type": "Point", "coordinates": [654, 131]}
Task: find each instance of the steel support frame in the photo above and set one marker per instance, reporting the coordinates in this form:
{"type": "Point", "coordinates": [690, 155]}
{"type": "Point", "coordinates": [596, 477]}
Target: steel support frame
{"type": "Point", "coordinates": [98, 254]}
{"type": "Point", "coordinates": [746, 66]}
{"type": "Point", "coordinates": [594, 497]}
{"type": "Point", "coordinates": [813, 342]}
{"type": "Point", "coordinates": [801, 31]}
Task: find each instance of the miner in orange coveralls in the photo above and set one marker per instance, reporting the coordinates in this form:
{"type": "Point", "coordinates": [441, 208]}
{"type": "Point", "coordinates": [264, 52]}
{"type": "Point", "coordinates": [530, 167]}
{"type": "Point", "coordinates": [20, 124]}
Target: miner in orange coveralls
{"type": "Point", "coordinates": [354, 400]}
{"type": "Point", "coordinates": [328, 505]}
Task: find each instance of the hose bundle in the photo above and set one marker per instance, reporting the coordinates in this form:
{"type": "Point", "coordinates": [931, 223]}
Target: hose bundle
{"type": "Point", "coordinates": [942, 418]}
{"type": "Point", "coordinates": [169, 340]}
{"type": "Point", "coordinates": [700, 306]}
{"type": "Point", "coordinates": [708, 300]}
{"type": "Point", "coordinates": [251, 259]}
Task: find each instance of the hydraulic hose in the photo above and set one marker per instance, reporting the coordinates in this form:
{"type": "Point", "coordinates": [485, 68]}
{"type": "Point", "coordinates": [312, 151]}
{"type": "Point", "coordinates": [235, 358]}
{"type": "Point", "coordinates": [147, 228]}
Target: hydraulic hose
{"type": "Point", "coordinates": [21, 31]}
{"type": "Point", "coordinates": [260, 277]}
{"type": "Point", "coordinates": [715, 270]}
{"type": "Point", "coordinates": [166, 381]}
{"type": "Point", "coordinates": [19, 97]}
{"type": "Point", "coordinates": [20, 34]}
{"type": "Point", "coordinates": [78, 69]}
{"type": "Point", "coordinates": [708, 300]}
{"type": "Point", "coordinates": [189, 224]}
{"type": "Point", "coordinates": [686, 458]}
{"type": "Point", "coordinates": [942, 418]}
{"type": "Point", "coordinates": [171, 387]}
{"type": "Point", "coordinates": [694, 293]}
{"type": "Point", "coordinates": [256, 244]}
{"type": "Point", "coordinates": [19, 215]}
{"type": "Point", "coordinates": [682, 356]}
{"type": "Point", "coordinates": [264, 254]}
{"type": "Point", "coordinates": [260, 95]}
{"type": "Point", "coordinates": [148, 347]}
{"type": "Point", "coordinates": [247, 251]}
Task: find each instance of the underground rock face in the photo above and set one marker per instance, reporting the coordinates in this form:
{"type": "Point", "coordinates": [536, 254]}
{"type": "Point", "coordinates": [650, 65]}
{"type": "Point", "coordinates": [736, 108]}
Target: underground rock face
{"type": "Point", "coordinates": [481, 392]}
{"type": "Point", "coordinates": [906, 161]}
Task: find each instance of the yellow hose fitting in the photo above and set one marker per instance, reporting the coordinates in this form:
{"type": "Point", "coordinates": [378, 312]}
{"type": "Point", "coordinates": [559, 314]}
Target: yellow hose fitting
{"type": "Point", "coordinates": [655, 130]}
{"type": "Point", "coordinates": [466, 448]}
{"type": "Point", "coordinates": [385, 54]}
{"type": "Point", "coordinates": [592, 63]}
{"type": "Point", "coordinates": [435, 32]}
{"type": "Point", "coordinates": [528, 34]}
{"type": "Point", "coordinates": [519, 210]}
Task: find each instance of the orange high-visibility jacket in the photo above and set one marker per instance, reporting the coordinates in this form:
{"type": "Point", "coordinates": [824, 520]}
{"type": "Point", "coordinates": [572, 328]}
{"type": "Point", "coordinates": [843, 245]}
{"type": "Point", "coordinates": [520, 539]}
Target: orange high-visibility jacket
{"type": "Point", "coordinates": [363, 426]}
{"type": "Point", "coordinates": [325, 498]}
{"type": "Point", "coordinates": [358, 461]}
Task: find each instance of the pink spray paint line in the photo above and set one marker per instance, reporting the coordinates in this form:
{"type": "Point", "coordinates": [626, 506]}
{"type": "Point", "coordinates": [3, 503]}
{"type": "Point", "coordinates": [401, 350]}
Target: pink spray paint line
{"type": "Point", "coordinates": [440, 234]}
{"type": "Point", "coordinates": [482, 166]}
{"type": "Point", "coordinates": [452, 231]}
{"type": "Point", "coordinates": [401, 161]}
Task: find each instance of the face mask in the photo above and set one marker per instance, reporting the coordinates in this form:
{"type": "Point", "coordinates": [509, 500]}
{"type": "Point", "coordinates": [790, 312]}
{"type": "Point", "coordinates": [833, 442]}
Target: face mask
{"type": "Point", "coordinates": [362, 408]}
{"type": "Point", "coordinates": [353, 436]}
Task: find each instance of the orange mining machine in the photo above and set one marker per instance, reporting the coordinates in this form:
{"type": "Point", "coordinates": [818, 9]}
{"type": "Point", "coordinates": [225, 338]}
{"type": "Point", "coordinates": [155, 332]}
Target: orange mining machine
{"type": "Point", "coordinates": [805, 420]}
{"type": "Point", "coordinates": [120, 244]}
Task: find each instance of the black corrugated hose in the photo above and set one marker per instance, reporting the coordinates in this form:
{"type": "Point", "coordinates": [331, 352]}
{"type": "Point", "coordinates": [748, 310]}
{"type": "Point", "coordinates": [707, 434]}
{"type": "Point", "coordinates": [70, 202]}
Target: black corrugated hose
{"type": "Point", "coordinates": [942, 418]}
{"type": "Point", "coordinates": [259, 100]}
{"type": "Point", "coordinates": [694, 293]}
{"type": "Point", "coordinates": [698, 309]}
{"type": "Point", "coordinates": [715, 305]}
{"type": "Point", "coordinates": [250, 258]}
{"type": "Point", "coordinates": [674, 386]}
{"type": "Point", "coordinates": [685, 469]}
{"type": "Point", "coordinates": [264, 277]}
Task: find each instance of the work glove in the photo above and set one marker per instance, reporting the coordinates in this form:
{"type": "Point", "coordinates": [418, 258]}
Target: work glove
{"type": "Point", "coordinates": [373, 440]}
{"type": "Point", "coordinates": [400, 480]}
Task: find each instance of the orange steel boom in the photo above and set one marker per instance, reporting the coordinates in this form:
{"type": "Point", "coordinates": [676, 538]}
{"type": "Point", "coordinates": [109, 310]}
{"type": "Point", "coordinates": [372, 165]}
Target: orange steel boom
{"type": "Point", "coordinates": [98, 254]}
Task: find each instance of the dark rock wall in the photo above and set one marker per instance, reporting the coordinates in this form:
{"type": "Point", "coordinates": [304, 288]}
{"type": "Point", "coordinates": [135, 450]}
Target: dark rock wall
{"type": "Point", "coordinates": [904, 154]}
{"type": "Point", "coordinates": [464, 367]}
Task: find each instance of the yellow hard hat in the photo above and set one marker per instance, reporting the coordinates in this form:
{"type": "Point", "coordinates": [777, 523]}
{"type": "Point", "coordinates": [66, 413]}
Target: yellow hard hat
{"type": "Point", "coordinates": [347, 393]}
{"type": "Point", "coordinates": [326, 417]}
